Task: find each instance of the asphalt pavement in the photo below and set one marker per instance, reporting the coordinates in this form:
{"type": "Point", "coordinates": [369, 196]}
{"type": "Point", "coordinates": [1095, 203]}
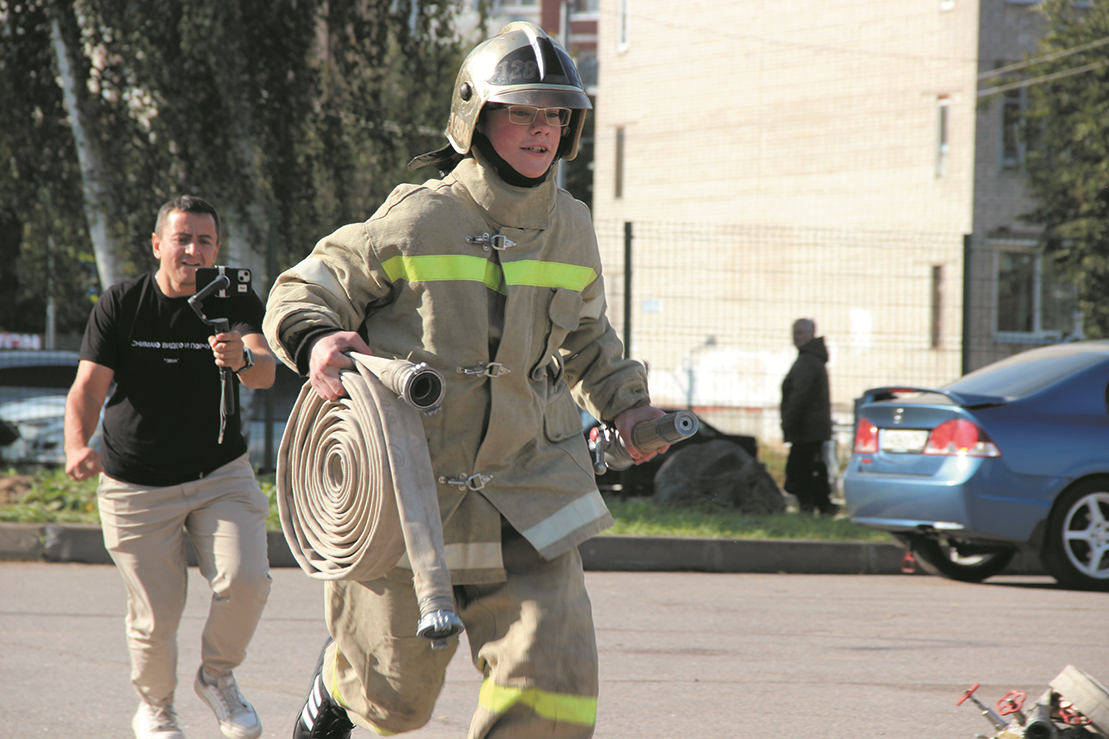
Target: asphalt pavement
{"type": "Point", "coordinates": [683, 654]}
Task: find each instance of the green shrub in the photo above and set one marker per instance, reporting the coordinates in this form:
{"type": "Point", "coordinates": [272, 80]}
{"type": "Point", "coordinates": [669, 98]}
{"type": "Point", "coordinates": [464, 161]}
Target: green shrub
{"type": "Point", "coordinates": [49, 496]}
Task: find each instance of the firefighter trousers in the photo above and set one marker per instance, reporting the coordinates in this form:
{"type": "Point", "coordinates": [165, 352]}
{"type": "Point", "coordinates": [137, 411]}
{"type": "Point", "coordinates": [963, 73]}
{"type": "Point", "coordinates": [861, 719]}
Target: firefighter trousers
{"type": "Point", "coordinates": [531, 637]}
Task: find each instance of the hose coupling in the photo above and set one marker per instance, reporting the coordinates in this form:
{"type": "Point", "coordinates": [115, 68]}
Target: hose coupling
{"type": "Point", "coordinates": [438, 626]}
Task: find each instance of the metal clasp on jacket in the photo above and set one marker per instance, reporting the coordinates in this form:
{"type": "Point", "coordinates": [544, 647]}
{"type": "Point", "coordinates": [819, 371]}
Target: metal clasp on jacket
{"type": "Point", "coordinates": [492, 369]}
{"type": "Point", "coordinates": [475, 481]}
{"type": "Point", "coordinates": [499, 242]}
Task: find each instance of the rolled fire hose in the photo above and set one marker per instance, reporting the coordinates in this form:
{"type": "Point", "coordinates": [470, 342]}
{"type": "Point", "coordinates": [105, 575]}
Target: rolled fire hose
{"type": "Point", "coordinates": [355, 488]}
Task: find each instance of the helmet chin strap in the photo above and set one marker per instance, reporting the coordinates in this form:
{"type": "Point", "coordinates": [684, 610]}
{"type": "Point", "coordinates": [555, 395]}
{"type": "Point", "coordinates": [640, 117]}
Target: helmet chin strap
{"type": "Point", "coordinates": [482, 143]}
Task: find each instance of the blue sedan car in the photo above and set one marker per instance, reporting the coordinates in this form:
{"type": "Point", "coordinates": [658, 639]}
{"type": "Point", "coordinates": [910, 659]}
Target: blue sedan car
{"type": "Point", "coordinates": [1012, 456]}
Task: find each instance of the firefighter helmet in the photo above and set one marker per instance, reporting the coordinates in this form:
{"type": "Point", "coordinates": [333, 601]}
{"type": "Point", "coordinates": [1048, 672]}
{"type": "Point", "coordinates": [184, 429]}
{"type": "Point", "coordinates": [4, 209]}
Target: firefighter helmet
{"type": "Point", "coordinates": [521, 65]}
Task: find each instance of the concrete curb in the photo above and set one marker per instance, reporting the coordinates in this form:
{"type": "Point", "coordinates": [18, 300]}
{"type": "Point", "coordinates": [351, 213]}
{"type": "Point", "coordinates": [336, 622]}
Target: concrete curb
{"type": "Point", "coordinates": [84, 543]}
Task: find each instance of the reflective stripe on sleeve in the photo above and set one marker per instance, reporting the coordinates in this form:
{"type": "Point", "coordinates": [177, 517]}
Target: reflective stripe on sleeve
{"type": "Point", "coordinates": [559, 707]}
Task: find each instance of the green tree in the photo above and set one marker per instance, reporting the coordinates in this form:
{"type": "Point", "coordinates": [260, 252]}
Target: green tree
{"type": "Point", "coordinates": [1067, 132]}
{"type": "Point", "coordinates": [291, 116]}
{"type": "Point", "coordinates": [40, 184]}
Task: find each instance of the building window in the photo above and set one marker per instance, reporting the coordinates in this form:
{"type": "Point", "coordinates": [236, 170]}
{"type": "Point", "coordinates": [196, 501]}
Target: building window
{"type": "Point", "coordinates": [1012, 113]}
{"type": "Point", "coordinates": [942, 135]}
{"type": "Point", "coordinates": [586, 62]}
{"type": "Point", "coordinates": [937, 305]}
{"type": "Point", "coordinates": [622, 25]}
{"type": "Point", "coordinates": [1033, 300]}
{"type": "Point", "coordinates": [587, 6]}
{"type": "Point", "coordinates": [619, 163]}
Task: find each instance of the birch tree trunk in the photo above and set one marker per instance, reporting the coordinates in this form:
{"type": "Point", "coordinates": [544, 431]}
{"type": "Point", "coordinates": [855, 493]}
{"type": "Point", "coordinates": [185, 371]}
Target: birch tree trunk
{"type": "Point", "coordinates": [109, 265]}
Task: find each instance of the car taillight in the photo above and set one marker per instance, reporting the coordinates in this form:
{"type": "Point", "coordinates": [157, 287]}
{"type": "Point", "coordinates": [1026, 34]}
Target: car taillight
{"type": "Point", "coordinates": [866, 437]}
{"type": "Point", "coordinates": [960, 438]}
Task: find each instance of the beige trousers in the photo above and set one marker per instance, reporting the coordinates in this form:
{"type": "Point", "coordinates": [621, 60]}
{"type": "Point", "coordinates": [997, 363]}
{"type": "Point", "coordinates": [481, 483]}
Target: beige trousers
{"type": "Point", "coordinates": [531, 637]}
{"type": "Point", "coordinates": [224, 515]}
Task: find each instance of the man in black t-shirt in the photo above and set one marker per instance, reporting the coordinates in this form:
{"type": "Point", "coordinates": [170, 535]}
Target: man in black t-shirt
{"type": "Point", "coordinates": [166, 473]}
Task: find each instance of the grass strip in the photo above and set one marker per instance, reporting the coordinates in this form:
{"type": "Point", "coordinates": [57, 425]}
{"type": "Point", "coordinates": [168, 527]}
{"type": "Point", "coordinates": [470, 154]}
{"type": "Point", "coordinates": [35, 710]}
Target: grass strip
{"type": "Point", "coordinates": [49, 496]}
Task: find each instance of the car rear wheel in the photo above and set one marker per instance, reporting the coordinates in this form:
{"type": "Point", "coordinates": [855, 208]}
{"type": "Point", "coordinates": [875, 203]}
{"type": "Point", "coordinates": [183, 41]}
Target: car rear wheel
{"type": "Point", "coordinates": [1076, 545]}
{"type": "Point", "coordinates": [963, 562]}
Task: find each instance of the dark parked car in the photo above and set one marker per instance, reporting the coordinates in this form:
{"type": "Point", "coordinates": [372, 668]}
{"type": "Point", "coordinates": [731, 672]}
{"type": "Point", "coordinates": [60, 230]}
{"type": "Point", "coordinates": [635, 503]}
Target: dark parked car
{"type": "Point", "coordinates": [639, 480]}
{"type": "Point", "coordinates": [1012, 456]}
{"type": "Point", "coordinates": [33, 386]}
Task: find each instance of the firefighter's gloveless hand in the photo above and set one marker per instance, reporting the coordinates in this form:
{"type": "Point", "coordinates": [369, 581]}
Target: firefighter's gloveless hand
{"type": "Point", "coordinates": [628, 420]}
{"type": "Point", "coordinates": [328, 356]}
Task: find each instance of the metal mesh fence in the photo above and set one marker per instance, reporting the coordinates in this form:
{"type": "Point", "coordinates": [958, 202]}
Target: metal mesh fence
{"type": "Point", "coordinates": [710, 310]}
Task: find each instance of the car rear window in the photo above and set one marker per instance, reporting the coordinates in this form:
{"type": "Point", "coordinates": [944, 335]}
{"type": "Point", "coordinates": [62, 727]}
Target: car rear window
{"type": "Point", "coordinates": [1025, 373]}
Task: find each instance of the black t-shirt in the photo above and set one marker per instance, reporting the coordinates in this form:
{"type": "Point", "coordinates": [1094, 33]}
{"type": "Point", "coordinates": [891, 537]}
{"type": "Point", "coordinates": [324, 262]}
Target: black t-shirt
{"type": "Point", "coordinates": [161, 424]}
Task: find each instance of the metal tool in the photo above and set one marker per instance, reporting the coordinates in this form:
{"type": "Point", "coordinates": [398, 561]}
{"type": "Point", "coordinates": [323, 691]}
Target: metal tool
{"type": "Point", "coordinates": [990, 714]}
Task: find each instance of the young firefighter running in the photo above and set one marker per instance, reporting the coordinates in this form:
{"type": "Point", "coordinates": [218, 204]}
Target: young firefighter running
{"type": "Point", "coordinates": [492, 276]}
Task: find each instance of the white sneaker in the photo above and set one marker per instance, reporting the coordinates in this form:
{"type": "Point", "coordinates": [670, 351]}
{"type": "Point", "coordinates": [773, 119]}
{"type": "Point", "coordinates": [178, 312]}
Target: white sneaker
{"type": "Point", "coordinates": [155, 722]}
{"type": "Point", "coordinates": [237, 719]}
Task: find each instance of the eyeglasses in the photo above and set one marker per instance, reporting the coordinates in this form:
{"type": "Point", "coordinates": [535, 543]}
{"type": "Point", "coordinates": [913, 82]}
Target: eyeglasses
{"type": "Point", "coordinates": [524, 115]}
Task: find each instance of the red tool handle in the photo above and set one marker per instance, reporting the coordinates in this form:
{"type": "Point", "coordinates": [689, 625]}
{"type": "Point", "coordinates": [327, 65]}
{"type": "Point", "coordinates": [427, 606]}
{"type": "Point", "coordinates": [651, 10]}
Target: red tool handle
{"type": "Point", "coordinates": [1011, 702]}
{"type": "Point", "coordinates": [969, 693]}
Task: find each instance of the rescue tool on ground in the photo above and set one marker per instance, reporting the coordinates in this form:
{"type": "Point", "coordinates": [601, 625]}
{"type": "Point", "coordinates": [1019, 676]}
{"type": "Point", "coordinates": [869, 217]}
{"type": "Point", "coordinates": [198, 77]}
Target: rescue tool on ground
{"type": "Point", "coordinates": [609, 452]}
{"type": "Point", "coordinates": [1075, 706]}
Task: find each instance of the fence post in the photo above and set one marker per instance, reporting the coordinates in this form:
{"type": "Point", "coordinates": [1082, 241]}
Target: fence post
{"type": "Point", "coordinates": [967, 259]}
{"type": "Point", "coordinates": [627, 289]}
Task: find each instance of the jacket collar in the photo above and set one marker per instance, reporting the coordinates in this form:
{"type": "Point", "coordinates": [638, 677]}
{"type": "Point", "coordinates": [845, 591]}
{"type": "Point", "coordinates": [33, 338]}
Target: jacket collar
{"type": "Point", "coordinates": [816, 348]}
{"type": "Point", "coordinates": [515, 207]}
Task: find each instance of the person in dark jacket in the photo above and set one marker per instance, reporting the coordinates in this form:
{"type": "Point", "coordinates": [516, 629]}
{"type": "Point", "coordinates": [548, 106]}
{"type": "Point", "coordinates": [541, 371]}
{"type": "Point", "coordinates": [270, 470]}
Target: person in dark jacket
{"type": "Point", "coordinates": [807, 420]}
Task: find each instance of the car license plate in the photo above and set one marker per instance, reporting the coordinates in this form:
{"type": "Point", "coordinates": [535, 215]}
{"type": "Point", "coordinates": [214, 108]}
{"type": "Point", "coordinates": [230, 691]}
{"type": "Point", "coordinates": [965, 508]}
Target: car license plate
{"type": "Point", "coordinates": [903, 441]}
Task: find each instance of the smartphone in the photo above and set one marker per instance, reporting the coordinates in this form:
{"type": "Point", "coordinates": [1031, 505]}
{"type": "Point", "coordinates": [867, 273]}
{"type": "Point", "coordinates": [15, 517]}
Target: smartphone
{"type": "Point", "coordinates": [239, 277]}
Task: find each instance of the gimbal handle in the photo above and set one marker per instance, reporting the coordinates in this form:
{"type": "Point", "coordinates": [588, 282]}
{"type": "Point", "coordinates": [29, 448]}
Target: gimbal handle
{"type": "Point", "coordinates": [219, 326]}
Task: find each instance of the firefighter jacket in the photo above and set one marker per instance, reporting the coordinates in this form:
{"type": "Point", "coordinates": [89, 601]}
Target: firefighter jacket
{"type": "Point", "coordinates": [499, 288]}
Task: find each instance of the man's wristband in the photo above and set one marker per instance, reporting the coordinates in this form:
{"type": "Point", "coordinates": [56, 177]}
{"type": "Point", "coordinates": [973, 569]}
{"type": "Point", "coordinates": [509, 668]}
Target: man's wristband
{"type": "Point", "coordinates": [248, 358]}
